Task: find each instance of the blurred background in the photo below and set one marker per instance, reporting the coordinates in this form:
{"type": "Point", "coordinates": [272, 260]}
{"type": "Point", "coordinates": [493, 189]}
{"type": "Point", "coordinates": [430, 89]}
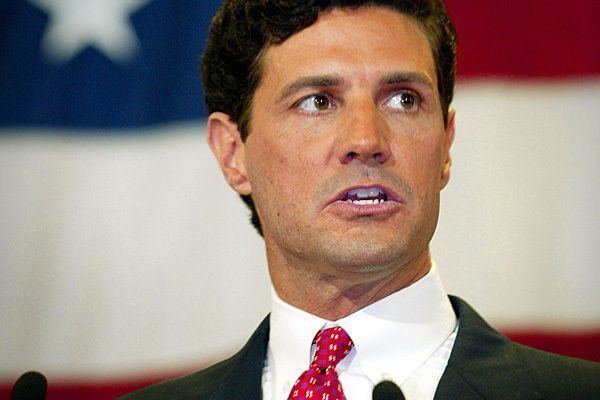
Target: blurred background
{"type": "Point", "coordinates": [126, 259]}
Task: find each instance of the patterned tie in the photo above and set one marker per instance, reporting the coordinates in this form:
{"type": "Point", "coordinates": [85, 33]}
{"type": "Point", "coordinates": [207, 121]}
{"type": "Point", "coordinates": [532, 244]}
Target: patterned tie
{"type": "Point", "coordinates": [320, 381]}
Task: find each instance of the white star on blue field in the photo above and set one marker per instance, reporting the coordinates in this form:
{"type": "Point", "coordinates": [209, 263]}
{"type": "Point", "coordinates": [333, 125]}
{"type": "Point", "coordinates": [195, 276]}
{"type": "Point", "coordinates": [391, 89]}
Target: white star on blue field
{"type": "Point", "coordinates": [103, 24]}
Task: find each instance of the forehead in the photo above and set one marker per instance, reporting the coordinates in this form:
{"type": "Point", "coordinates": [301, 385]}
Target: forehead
{"type": "Point", "coordinates": [357, 43]}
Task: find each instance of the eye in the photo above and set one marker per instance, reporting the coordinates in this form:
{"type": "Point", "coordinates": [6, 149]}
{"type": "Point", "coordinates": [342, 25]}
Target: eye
{"type": "Point", "coordinates": [316, 103]}
{"type": "Point", "coordinates": [403, 101]}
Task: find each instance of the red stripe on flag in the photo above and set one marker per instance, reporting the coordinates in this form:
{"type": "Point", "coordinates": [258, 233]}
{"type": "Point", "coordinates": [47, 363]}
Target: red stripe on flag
{"type": "Point", "coordinates": [527, 39]}
{"type": "Point", "coordinates": [584, 345]}
{"type": "Point", "coordinates": [90, 389]}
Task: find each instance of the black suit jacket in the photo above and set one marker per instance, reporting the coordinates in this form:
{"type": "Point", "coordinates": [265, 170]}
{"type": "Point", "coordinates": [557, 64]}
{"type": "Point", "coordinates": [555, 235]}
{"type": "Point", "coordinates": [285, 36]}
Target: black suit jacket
{"type": "Point", "coordinates": [483, 365]}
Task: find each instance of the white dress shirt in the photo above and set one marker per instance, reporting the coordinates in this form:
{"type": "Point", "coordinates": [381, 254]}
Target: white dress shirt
{"type": "Point", "coordinates": [406, 337]}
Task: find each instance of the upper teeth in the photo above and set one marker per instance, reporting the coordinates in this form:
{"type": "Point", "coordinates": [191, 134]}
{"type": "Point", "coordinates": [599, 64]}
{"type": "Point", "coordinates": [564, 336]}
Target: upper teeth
{"type": "Point", "coordinates": [365, 193]}
{"type": "Point", "coordinates": [365, 196]}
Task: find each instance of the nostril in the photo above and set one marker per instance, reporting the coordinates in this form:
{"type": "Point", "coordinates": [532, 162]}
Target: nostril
{"type": "Point", "coordinates": [380, 157]}
{"type": "Point", "coordinates": [353, 155]}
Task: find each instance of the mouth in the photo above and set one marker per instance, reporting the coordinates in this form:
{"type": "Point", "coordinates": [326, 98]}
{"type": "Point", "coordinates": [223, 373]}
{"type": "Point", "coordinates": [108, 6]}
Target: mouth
{"type": "Point", "coordinates": [373, 202]}
{"type": "Point", "coordinates": [367, 195]}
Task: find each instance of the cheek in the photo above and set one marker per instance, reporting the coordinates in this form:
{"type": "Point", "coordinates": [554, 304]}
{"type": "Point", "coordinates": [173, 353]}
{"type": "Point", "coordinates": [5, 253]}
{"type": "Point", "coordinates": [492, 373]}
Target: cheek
{"type": "Point", "coordinates": [430, 162]}
{"type": "Point", "coordinates": [277, 170]}
{"type": "Point", "coordinates": [288, 156]}
{"type": "Point", "coordinates": [420, 158]}
{"type": "Point", "coordinates": [421, 167]}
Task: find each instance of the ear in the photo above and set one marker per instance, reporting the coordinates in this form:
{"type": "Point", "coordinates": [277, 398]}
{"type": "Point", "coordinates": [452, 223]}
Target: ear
{"type": "Point", "coordinates": [225, 141]}
{"type": "Point", "coordinates": [449, 138]}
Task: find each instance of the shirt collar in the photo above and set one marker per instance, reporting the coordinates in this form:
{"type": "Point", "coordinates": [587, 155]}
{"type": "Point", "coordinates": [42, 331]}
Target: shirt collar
{"type": "Point", "coordinates": [397, 334]}
{"type": "Point", "coordinates": [392, 336]}
{"type": "Point", "coordinates": [292, 331]}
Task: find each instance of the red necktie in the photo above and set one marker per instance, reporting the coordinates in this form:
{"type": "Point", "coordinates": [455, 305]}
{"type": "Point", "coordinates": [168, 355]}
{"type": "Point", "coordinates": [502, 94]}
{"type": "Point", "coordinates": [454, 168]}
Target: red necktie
{"type": "Point", "coordinates": [320, 381]}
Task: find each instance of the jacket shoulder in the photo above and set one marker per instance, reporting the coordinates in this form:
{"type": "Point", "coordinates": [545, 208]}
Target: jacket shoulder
{"type": "Point", "coordinates": [486, 365]}
{"type": "Point", "coordinates": [236, 378]}
{"type": "Point", "coordinates": [561, 377]}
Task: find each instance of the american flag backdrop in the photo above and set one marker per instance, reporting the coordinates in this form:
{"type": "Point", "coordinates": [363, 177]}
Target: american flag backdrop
{"type": "Point", "coordinates": [126, 259]}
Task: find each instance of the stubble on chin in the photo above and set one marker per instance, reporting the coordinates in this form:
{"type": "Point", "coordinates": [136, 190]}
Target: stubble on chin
{"type": "Point", "coordinates": [363, 253]}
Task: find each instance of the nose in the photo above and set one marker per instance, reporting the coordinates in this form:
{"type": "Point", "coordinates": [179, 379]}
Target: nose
{"type": "Point", "coordinates": [363, 136]}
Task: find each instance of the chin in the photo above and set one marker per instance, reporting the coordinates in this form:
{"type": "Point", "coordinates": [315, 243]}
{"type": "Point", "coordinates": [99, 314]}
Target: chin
{"type": "Point", "coordinates": [364, 255]}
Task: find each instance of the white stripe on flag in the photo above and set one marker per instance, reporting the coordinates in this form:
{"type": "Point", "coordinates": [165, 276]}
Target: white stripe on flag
{"type": "Point", "coordinates": [520, 226]}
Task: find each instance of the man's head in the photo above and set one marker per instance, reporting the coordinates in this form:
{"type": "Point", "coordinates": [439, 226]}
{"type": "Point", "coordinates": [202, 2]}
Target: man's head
{"type": "Point", "coordinates": [347, 147]}
{"type": "Point", "coordinates": [243, 30]}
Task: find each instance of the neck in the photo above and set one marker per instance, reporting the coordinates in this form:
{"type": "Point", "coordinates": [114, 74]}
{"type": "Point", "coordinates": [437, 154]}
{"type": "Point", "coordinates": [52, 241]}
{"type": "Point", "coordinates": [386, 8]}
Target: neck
{"type": "Point", "coordinates": [332, 294]}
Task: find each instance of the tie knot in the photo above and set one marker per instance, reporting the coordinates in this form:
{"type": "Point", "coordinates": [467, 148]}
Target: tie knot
{"type": "Point", "coordinates": [333, 344]}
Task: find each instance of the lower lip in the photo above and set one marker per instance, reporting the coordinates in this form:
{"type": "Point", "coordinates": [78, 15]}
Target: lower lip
{"type": "Point", "coordinates": [351, 210]}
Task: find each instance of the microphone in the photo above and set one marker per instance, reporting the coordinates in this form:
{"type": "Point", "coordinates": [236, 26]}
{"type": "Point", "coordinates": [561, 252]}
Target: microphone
{"type": "Point", "coordinates": [30, 386]}
{"type": "Point", "coordinates": [387, 390]}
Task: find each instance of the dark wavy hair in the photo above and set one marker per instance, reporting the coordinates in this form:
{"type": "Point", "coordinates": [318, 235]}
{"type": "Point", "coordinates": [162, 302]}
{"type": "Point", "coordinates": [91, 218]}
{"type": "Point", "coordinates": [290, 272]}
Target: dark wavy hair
{"type": "Point", "coordinates": [242, 30]}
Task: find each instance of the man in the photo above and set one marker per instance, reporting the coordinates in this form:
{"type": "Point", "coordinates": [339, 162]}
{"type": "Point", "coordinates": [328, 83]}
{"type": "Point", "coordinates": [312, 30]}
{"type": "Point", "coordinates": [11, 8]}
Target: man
{"type": "Point", "coordinates": [333, 122]}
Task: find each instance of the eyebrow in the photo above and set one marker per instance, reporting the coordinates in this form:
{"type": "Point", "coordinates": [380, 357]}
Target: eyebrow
{"type": "Point", "coordinates": [322, 81]}
{"type": "Point", "coordinates": [316, 81]}
{"type": "Point", "coordinates": [407, 77]}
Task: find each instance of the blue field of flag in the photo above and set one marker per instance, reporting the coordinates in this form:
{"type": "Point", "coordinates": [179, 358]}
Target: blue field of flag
{"type": "Point", "coordinates": [101, 63]}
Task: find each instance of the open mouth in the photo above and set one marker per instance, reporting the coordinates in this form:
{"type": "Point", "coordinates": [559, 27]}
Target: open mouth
{"type": "Point", "coordinates": [371, 201]}
{"type": "Point", "coordinates": [365, 196]}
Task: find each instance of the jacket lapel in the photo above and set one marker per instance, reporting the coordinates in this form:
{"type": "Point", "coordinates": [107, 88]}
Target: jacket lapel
{"type": "Point", "coordinates": [243, 381]}
{"type": "Point", "coordinates": [483, 363]}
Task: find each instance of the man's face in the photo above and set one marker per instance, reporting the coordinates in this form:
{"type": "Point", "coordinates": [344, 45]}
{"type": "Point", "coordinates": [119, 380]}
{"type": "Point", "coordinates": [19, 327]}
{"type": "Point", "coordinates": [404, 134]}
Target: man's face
{"type": "Point", "coordinates": [347, 114]}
